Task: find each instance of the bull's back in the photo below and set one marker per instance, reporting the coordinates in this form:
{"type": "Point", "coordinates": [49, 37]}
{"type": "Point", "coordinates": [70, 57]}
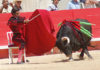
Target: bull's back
{"type": "Point", "coordinates": [87, 27]}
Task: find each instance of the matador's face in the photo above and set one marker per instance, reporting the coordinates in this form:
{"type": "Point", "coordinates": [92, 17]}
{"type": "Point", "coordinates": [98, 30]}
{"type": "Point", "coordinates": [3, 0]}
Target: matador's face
{"type": "Point", "coordinates": [17, 14]}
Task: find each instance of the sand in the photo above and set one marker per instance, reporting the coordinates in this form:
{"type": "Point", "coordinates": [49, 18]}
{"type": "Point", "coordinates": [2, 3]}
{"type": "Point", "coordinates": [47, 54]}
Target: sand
{"type": "Point", "coordinates": [55, 62]}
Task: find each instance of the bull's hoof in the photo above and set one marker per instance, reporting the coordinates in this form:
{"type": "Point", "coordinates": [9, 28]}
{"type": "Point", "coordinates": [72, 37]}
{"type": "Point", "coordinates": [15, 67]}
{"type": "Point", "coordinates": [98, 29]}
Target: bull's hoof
{"type": "Point", "coordinates": [81, 58]}
{"type": "Point", "coordinates": [90, 57]}
{"type": "Point", "coordinates": [70, 60]}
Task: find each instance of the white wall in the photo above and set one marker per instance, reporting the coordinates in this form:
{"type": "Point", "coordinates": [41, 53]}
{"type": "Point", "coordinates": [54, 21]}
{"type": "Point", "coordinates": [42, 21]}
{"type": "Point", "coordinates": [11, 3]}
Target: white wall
{"type": "Point", "coordinates": [0, 2]}
{"type": "Point", "coordinates": [31, 5]}
{"type": "Point", "coordinates": [63, 4]}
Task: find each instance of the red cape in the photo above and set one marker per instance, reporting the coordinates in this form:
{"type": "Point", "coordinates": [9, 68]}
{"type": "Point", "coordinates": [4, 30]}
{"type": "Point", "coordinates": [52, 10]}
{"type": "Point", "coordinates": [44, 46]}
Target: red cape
{"type": "Point", "coordinates": [39, 33]}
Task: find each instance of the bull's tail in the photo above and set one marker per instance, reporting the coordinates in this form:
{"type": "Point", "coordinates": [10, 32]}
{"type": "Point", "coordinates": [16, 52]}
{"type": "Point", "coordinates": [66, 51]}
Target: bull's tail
{"type": "Point", "coordinates": [65, 41]}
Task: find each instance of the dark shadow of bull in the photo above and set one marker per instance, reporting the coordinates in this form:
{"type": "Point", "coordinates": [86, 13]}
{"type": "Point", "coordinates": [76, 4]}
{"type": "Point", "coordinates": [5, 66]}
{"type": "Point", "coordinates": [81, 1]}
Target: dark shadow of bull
{"type": "Point", "coordinates": [70, 39]}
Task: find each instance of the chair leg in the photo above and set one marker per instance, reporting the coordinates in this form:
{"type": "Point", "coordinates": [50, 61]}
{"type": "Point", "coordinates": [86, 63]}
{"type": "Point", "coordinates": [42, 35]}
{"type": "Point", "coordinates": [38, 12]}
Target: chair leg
{"type": "Point", "coordinates": [10, 56]}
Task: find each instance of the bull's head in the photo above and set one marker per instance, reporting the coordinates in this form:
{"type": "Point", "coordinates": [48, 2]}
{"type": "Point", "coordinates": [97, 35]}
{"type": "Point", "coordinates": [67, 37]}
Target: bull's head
{"type": "Point", "coordinates": [66, 44]}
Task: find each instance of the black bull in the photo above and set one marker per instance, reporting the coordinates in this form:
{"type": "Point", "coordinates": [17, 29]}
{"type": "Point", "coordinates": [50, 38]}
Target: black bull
{"type": "Point", "coordinates": [70, 39]}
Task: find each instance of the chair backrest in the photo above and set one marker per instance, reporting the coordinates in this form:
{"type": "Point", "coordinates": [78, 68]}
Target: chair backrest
{"type": "Point", "coordinates": [9, 37]}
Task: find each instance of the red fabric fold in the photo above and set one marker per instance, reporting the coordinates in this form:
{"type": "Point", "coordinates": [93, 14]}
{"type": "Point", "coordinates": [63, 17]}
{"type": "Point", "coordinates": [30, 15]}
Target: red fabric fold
{"type": "Point", "coordinates": [39, 33]}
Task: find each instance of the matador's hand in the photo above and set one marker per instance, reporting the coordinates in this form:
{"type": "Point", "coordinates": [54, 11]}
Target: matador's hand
{"type": "Point", "coordinates": [26, 21]}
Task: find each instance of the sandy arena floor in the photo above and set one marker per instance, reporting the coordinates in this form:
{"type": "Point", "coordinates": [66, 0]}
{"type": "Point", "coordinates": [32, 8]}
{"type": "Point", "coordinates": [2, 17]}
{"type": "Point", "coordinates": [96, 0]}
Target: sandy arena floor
{"type": "Point", "coordinates": [55, 62]}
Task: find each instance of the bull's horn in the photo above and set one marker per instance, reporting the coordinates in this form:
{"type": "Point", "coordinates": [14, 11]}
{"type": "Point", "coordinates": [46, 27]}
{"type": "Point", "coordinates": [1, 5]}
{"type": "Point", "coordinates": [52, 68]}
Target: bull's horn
{"type": "Point", "coordinates": [65, 38]}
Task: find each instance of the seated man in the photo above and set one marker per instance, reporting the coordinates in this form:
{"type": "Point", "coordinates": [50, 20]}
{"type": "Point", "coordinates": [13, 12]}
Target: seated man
{"type": "Point", "coordinates": [98, 4]}
{"type": "Point", "coordinates": [53, 6]}
{"type": "Point", "coordinates": [17, 4]}
{"type": "Point", "coordinates": [6, 7]}
{"type": "Point", "coordinates": [90, 3]}
{"type": "Point", "coordinates": [16, 24]}
{"type": "Point", "coordinates": [74, 4]}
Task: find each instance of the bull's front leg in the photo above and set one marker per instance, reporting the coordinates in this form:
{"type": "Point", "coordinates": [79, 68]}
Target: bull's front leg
{"type": "Point", "coordinates": [82, 55]}
{"type": "Point", "coordinates": [68, 54]}
{"type": "Point", "coordinates": [70, 58]}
